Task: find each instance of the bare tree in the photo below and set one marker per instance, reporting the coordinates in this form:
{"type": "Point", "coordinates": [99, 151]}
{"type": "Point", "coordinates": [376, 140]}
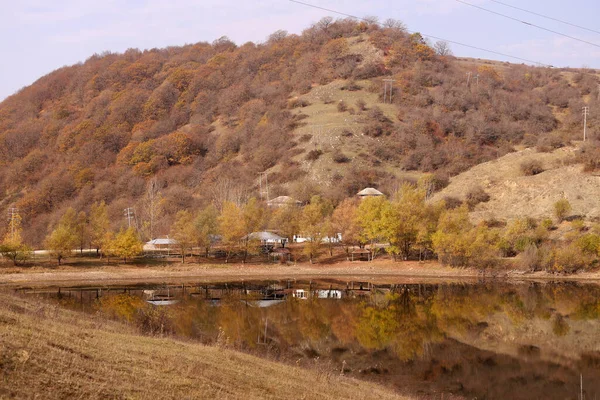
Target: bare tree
{"type": "Point", "coordinates": [442, 48]}
{"type": "Point", "coordinates": [324, 23]}
{"type": "Point", "coordinates": [153, 209]}
{"type": "Point", "coordinates": [226, 190]}
{"type": "Point", "coordinates": [391, 23]}
{"type": "Point", "coordinates": [277, 36]}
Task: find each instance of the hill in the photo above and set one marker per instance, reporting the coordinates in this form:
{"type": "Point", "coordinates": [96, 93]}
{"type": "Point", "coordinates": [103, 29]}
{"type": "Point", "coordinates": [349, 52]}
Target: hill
{"type": "Point", "coordinates": [512, 194]}
{"type": "Point", "coordinates": [202, 121]}
{"type": "Point", "coordinates": [65, 354]}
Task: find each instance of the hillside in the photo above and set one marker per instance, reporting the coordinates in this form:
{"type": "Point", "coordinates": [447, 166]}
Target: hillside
{"type": "Point", "coordinates": [515, 195]}
{"type": "Point", "coordinates": [65, 354]}
{"type": "Point", "coordinates": [202, 121]}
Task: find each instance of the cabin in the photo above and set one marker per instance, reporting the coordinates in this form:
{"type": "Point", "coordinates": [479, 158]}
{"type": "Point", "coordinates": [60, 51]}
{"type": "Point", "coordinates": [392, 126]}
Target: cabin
{"type": "Point", "coordinates": [160, 244]}
{"type": "Point", "coordinates": [361, 255]}
{"type": "Point", "coordinates": [369, 192]}
{"type": "Point", "coordinates": [283, 201]}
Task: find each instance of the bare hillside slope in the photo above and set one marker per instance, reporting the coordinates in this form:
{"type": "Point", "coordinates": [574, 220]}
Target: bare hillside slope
{"type": "Point", "coordinates": [514, 195]}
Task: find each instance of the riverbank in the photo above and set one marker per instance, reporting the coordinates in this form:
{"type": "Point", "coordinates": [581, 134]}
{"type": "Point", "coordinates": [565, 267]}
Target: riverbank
{"type": "Point", "coordinates": [57, 353]}
{"type": "Point", "coordinates": [379, 271]}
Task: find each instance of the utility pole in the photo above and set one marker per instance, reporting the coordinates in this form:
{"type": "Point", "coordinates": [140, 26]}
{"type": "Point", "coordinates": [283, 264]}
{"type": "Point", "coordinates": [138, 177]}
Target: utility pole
{"type": "Point", "coordinates": [469, 78]}
{"type": "Point", "coordinates": [586, 111]}
{"type": "Point", "coordinates": [128, 214]}
{"type": "Point", "coordinates": [264, 185]}
{"type": "Point", "coordinates": [388, 90]}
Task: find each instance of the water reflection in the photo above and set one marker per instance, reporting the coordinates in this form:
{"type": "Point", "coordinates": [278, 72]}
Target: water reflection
{"type": "Point", "coordinates": [495, 341]}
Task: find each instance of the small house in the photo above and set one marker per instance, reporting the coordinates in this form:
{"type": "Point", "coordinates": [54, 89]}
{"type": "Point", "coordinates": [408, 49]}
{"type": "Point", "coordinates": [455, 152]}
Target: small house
{"type": "Point", "coordinates": [283, 201]}
{"type": "Point", "coordinates": [369, 192]}
{"type": "Point", "coordinates": [160, 244]}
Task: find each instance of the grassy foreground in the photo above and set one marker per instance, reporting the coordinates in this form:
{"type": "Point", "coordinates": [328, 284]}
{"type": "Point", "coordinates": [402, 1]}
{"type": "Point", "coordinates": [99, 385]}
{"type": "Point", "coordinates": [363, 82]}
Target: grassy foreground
{"type": "Point", "coordinates": [50, 352]}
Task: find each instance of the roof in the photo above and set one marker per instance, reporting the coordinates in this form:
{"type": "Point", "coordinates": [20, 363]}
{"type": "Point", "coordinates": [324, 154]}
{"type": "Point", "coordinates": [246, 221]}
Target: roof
{"type": "Point", "coordinates": [265, 236]}
{"type": "Point", "coordinates": [162, 241]}
{"type": "Point", "coordinates": [370, 192]}
{"type": "Point", "coordinates": [282, 200]}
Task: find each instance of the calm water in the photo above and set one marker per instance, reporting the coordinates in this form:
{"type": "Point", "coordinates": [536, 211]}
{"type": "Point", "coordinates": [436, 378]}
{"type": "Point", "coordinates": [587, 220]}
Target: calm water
{"type": "Point", "coordinates": [484, 341]}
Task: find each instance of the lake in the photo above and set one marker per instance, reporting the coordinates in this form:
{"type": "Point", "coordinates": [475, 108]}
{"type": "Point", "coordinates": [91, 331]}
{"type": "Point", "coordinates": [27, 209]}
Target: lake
{"type": "Point", "coordinates": [487, 340]}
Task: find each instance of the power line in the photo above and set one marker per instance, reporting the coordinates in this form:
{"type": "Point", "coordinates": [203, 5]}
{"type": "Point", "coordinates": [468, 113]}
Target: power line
{"type": "Point", "coordinates": [528, 23]}
{"type": "Point", "coordinates": [428, 36]}
{"type": "Point", "coordinates": [546, 16]}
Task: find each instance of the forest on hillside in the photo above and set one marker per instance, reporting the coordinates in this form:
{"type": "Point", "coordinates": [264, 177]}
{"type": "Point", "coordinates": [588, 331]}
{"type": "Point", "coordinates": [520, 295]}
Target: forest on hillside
{"type": "Point", "coordinates": [197, 124]}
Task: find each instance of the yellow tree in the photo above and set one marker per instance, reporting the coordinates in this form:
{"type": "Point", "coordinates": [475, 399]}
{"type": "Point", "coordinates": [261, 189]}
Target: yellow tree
{"type": "Point", "coordinates": [231, 227]}
{"type": "Point", "coordinates": [313, 225]}
{"type": "Point", "coordinates": [63, 239]}
{"type": "Point", "coordinates": [460, 244]}
{"type": "Point", "coordinates": [286, 220]}
{"type": "Point", "coordinates": [12, 246]}
{"type": "Point", "coordinates": [99, 226]}
{"type": "Point", "coordinates": [345, 222]}
{"type": "Point", "coordinates": [254, 219]}
{"type": "Point", "coordinates": [206, 224]}
{"type": "Point", "coordinates": [402, 218]}
{"type": "Point", "coordinates": [184, 232]}
{"type": "Point", "coordinates": [370, 214]}
{"type": "Point", "coordinates": [126, 244]}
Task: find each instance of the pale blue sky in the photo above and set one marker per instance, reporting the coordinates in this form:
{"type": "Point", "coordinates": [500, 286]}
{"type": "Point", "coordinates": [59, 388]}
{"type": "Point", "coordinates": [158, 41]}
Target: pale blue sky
{"type": "Point", "coordinates": [39, 36]}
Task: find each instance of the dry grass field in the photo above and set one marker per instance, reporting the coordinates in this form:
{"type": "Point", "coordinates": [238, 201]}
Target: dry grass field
{"type": "Point", "coordinates": [52, 353]}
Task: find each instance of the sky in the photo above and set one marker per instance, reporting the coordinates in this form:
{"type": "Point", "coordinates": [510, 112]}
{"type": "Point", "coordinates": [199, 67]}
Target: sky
{"type": "Point", "coordinates": [40, 36]}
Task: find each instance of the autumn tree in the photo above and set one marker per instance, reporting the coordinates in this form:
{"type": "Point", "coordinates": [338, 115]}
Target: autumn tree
{"type": "Point", "coordinates": [82, 229]}
{"type": "Point", "coordinates": [254, 220]}
{"type": "Point", "coordinates": [99, 226]}
{"type": "Point", "coordinates": [401, 220]}
{"type": "Point", "coordinates": [153, 206]}
{"type": "Point", "coordinates": [63, 239]}
{"type": "Point", "coordinates": [206, 225]}
{"type": "Point", "coordinates": [345, 222]}
{"type": "Point", "coordinates": [370, 215]}
{"type": "Point", "coordinates": [12, 247]}
{"type": "Point", "coordinates": [313, 224]}
{"type": "Point", "coordinates": [286, 220]}
{"type": "Point", "coordinates": [231, 227]}
{"type": "Point", "coordinates": [184, 232]}
{"type": "Point", "coordinates": [460, 244]}
{"type": "Point", "coordinates": [126, 244]}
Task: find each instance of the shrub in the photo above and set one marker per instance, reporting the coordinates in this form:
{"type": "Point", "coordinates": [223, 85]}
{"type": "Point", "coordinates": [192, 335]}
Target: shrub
{"type": "Point", "coordinates": [340, 157]}
{"type": "Point", "coordinates": [589, 156]}
{"type": "Point", "coordinates": [295, 103]}
{"type": "Point", "coordinates": [313, 155]}
{"type": "Point", "coordinates": [562, 208]}
{"type": "Point", "coordinates": [560, 327]}
{"type": "Point", "coordinates": [342, 106]}
{"type": "Point", "coordinates": [305, 138]}
{"type": "Point", "coordinates": [531, 167]}
{"type": "Point", "coordinates": [475, 196]}
{"type": "Point", "coordinates": [569, 259]}
{"type": "Point", "coordinates": [361, 104]}
{"type": "Point", "coordinates": [452, 202]}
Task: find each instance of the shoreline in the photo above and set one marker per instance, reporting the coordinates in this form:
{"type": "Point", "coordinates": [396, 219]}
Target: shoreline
{"type": "Point", "coordinates": [383, 271]}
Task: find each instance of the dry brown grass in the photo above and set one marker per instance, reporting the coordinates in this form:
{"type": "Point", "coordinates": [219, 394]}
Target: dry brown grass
{"type": "Point", "coordinates": [52, 353]}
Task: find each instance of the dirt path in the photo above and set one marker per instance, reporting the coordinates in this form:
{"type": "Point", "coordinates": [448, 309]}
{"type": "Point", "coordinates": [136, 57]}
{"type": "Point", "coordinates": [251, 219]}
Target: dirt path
{"type": "Point", "coordinates": [376, 272]}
